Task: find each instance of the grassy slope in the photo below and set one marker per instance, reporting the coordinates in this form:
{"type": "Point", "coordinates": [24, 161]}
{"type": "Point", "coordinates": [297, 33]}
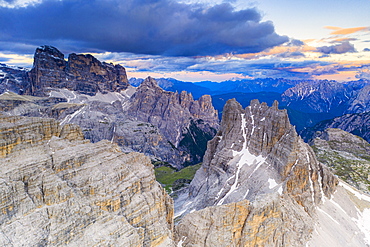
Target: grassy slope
{"type": "Point", "coordinates": [353, 167]}
{"type": "Point", "coordinates": [167, 176]}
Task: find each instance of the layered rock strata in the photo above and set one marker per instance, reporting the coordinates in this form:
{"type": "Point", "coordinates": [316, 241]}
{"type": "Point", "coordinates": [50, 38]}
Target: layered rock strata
{"type": "Point", "coordinates": [16, 132]}
{"type": "Point", "coordinates": [57, 189]}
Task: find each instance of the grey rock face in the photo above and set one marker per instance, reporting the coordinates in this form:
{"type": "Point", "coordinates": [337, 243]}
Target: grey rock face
{"type": "Point", "coordinates": [57, 190]}
{"type": "Point", "coordinates": [258, 165]}
{"type": "Point", "coordinates": [186, 123]}
{"type": "Point", "coordinates": [254, 146]}
{"type": "Point", "coordinates": [169, 110]}
{"type": "Point", "coordinates": [82, 73]}
{"type": "Point", "coordinates": [106, 119]}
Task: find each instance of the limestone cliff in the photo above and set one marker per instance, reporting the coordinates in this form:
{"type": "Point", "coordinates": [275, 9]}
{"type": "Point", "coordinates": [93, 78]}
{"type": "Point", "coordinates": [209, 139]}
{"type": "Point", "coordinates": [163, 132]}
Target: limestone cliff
{"type": "Point", "coordinates": [57, 189]}
{"type": "Point", "coordinates": [19, 131]}
{"type": "Point", "coordinates": [168, 110]}
{"type": "Point", "coordinates": [259, 185]}
{"type": "Point", "coordinates": [186, 124]}
{"type": "Point", "coordinates": [257, 151]}
{"type": "Point", "coordinates": [81, 73]}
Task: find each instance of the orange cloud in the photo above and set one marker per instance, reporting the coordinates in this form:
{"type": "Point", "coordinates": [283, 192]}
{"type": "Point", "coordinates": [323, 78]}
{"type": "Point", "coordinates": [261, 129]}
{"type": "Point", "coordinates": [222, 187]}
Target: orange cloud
{"type": "Point", "coordinates": [339, 76]}
{"type": "Point", "coordinates": [343, 40]}
{"type": "Point", "coordinates": [187, 75]}
{"type": "Point", "coordinates": [344, 31]}
{"type": "Point", "coordinates": [270, 52]}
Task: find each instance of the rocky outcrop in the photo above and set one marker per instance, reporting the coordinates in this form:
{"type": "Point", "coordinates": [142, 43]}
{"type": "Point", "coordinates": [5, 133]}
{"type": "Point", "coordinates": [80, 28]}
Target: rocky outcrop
{"type": "Point", "coordinates": [168, 110]}
{"type": "Point", "coordinates": [57, 189]}
{"type": "Point", "coordinates": [186, 123]}
{"type": "Point", "coordinates": [347, 154]}
{"type": "Point", "coordinates": [242, 223]}
{"type": "Point", "coordinates": [258, 142]}
{"type": "Point", "coordinates": [81, 73]}
{"type": "Point", "coordinates": [260, 167]}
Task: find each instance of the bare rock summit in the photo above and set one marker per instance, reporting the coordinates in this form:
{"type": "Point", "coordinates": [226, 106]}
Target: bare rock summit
{"type": "Point", "coordinates": [81, 73]}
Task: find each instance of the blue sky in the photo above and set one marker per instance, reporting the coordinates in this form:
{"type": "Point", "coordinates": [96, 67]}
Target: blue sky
{"type": "Point", "coordinates": [197, 40]}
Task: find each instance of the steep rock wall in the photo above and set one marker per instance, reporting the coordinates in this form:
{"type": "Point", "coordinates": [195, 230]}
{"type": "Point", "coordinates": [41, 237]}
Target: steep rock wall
{"type": "Point", "coordinates": [81, 73]}
{"type": "Point", "coordinates": [258, 165]}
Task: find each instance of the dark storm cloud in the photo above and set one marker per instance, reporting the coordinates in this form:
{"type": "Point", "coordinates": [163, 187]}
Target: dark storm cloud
{"type": "Point", "coordinates": [163, 27]}
{"type": "Point", "coordinates": [341, 48]}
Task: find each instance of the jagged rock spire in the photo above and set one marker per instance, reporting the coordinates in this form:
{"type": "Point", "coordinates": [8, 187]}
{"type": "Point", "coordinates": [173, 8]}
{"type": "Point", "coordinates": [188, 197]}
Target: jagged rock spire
{"type": "Point", "coordinates": [258, 165]}
{"type": "Point", "coordinates": [149, 82]}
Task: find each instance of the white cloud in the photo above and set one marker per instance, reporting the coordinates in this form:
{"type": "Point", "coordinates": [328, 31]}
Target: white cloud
{"type": "Point", "coordinates": [18, 3]}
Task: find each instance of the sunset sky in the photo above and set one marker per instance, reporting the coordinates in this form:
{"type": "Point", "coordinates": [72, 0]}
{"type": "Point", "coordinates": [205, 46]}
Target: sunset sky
{"type": "Point", "coordinates": [197, 40]}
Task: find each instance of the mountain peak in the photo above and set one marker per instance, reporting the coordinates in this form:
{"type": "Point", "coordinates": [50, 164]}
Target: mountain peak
{"type": "Point", "coordinates": [149, 82]}
{"type": "Point", "coordinates": [82, 73]}
{"type": "Point", "coordinates": [49, 51]}
{"type": "Point", "coordinates": [258, 166]}
{"type": "Point", "coordinates": [259, 152]}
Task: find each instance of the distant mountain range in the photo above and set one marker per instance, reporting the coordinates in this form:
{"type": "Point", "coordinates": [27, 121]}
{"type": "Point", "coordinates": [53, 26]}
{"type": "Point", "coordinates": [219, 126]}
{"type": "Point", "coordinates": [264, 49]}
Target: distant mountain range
{"type": "Point", "coordinates": [307, 102]}
{"type": "Point", "coordinates": [218, 88]}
